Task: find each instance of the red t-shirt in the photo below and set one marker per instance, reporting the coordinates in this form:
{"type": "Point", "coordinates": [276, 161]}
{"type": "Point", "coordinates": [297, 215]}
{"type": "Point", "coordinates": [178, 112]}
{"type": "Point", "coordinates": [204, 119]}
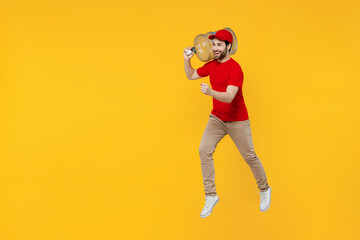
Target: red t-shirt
{"type": "Point", "coordinates": [222, 75]}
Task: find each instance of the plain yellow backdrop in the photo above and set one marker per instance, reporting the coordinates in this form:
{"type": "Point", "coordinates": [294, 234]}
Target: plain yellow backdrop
{"type": "Point", "coordinates": [100, 128]}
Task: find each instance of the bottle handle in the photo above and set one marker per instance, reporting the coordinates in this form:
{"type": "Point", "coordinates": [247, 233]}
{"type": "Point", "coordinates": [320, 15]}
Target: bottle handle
{"type": "Point", "coordinates": [188, 52]}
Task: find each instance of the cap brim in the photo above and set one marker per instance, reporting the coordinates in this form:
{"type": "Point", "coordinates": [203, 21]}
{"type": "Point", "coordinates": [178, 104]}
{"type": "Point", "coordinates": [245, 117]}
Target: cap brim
{"type": "Point", "coordinates": [213, 36]}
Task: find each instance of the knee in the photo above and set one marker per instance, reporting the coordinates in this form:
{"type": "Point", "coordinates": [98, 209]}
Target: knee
{"type": "Point", "coordinates": [251, 157]}
{"type": "Point", "coordinates": [205, 151]}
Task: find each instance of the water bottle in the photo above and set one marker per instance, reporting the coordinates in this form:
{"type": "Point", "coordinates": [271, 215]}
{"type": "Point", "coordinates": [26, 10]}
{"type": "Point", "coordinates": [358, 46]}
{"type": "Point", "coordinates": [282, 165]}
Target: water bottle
{"type": "Point", "coordinates": [203, 46]}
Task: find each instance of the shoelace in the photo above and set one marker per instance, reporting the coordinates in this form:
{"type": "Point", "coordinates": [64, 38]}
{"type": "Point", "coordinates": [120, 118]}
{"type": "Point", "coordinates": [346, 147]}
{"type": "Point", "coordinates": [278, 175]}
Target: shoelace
{"type": "Point", "coordinates": [209, 202]}
{"type": "Point", "coordinates": [262, 196]}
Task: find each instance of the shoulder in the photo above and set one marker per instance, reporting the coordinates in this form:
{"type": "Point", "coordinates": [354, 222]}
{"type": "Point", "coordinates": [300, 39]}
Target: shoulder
{"type": "Point", "coordinates": [235, 64]}
{"type": "Point", "coordinates": [210, 62]}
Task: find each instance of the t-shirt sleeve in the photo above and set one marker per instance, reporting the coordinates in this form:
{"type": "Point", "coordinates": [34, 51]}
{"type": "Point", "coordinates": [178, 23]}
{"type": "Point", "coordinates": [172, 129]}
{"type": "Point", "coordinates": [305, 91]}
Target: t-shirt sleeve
{"type": "Point", "coordinates": [236, 77]}
{"type": "Point", "coordinates": [203, 71]}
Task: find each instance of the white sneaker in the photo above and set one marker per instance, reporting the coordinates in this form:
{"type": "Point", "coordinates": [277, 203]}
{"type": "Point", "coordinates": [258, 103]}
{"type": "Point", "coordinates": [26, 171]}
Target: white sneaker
{"type": "Point", "coordinates": [210, 202]}
{"type": "Point", "coordinates": [265, 199]}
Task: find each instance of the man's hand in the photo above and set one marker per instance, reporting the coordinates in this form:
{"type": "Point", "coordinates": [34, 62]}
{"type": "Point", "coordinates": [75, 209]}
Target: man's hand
{"type": "Point", "coordinates": [206, 89]}
{"type": "Point", "coordinates": [187, 57]}
{"type": "Point", "coordinates": [225, 97]}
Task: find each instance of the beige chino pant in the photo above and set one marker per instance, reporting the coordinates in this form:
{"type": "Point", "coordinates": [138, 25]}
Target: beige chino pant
{"type": "Point", "coordinates": [240, 133]}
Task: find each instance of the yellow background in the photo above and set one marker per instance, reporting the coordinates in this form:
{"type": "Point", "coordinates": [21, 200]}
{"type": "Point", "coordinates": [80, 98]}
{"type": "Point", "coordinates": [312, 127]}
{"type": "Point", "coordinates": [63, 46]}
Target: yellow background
{"type": "Point", "coordinates": [100, 127]}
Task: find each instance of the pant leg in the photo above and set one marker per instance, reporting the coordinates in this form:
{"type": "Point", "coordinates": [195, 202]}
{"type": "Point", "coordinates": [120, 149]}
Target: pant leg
{"type": "Point", "coordinates": [240, 133]}
{"type": "Point", "coordinates": [215, 130]}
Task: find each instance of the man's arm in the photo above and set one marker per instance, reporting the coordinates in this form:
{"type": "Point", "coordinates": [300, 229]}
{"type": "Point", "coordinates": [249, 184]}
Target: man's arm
{"type": "Point", "coordinates": [226, 97]}
{"type": "Point", "coordinates": [190, 72]}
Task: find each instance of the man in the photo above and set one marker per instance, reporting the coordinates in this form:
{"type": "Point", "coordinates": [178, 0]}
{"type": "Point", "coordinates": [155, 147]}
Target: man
{"type": "Point", "coordinates": [228, 116]}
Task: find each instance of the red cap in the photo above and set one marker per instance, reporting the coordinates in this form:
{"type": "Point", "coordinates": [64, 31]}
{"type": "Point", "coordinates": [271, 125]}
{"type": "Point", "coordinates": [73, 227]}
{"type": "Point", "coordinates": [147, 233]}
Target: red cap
{"type": "Point", "coordinates": [223, 35]}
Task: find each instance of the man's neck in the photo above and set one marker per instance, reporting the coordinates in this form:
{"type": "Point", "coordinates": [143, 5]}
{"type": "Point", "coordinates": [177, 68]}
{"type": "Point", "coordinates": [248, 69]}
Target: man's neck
{"type": "Point", "coordinates": [224, 59]}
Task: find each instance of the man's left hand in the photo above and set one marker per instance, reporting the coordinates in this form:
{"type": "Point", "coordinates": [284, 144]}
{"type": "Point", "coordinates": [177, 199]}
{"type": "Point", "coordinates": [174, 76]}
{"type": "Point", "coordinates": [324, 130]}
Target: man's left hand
{"type": "Point", "coordinates": [206, 89]}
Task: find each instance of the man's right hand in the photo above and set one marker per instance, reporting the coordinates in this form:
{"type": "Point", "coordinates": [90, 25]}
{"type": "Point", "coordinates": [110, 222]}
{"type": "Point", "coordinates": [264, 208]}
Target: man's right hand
{"type": "Point", "coordinates": [186, 57]}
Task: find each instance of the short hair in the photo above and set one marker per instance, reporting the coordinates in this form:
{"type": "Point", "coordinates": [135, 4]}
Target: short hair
{"type": "Point", "coordinates": [227, 43]}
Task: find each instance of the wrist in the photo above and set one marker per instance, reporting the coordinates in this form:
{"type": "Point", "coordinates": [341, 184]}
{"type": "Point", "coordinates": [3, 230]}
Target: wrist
{"type": "Point", "coordinates": [211, 93]}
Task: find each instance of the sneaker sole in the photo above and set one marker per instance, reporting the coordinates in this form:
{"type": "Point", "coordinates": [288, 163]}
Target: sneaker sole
{"type": "Point", "coordinates": [264, 210]}
{"type": "Point", "coordinates": [208, 214]}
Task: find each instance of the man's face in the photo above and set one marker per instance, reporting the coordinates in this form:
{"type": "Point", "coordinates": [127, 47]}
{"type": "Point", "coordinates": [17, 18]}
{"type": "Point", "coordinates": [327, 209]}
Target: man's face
{"type": "Point", "coordinates": [219, 48]}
